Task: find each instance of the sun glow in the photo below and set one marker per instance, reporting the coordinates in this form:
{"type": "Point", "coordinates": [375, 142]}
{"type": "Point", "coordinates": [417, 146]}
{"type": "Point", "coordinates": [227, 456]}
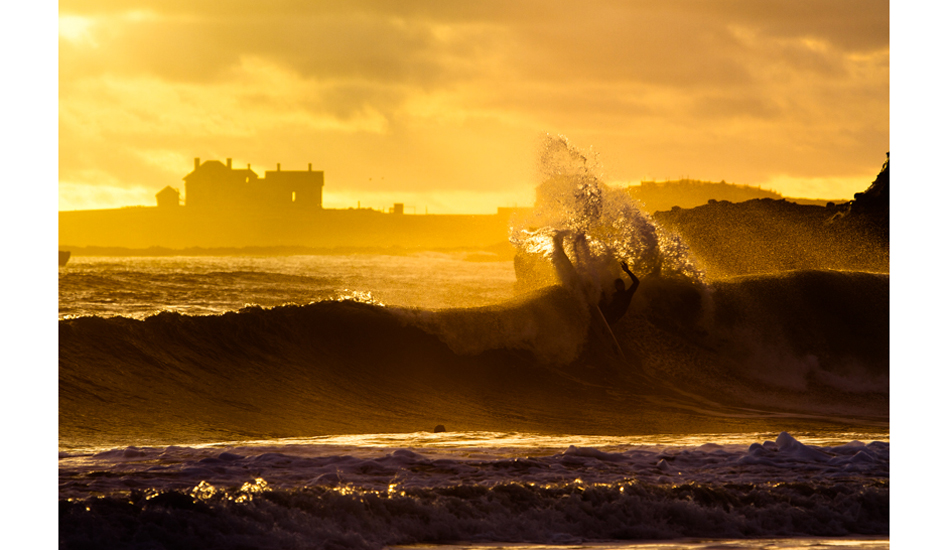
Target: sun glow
{"type": "Point", "coordinates": [77, 29]}
{"type": "Point", "coordinates": [85, 193]}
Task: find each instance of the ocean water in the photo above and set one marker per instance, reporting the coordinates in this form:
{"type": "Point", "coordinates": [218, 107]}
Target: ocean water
{"type": "Point", "coordinates": [138, 287]}
{"type": "Point", "coordinates": [291, 402]}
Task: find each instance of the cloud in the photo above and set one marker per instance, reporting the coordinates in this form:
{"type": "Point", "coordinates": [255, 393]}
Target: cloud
{"type": "Point", "coordinates": [848, 25]}
{"type": "Point", "coordinates": [434, 43]}
{"type": "Point", "coordinates": [203, 46]}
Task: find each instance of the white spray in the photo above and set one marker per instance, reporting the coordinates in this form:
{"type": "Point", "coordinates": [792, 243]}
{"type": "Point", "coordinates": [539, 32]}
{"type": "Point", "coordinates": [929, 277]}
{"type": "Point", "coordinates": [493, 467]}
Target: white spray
{"type": "Point", "coordinates": [600, 225]}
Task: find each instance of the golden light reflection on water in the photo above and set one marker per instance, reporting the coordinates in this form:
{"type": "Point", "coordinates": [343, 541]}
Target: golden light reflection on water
{"type": "Point", "coordinates": [529, 444]}
{"type": "Point", "coordinates": [206, 491]}
{"type": "Point", "coordinates": [515, 443]}
{"type": "Point", "coordinates": [468, 443]}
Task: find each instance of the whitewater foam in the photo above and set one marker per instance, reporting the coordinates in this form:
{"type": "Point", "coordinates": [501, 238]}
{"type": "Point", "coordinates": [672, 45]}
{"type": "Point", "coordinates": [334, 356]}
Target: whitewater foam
{"type": "Point", "coordinates": [325, 496]}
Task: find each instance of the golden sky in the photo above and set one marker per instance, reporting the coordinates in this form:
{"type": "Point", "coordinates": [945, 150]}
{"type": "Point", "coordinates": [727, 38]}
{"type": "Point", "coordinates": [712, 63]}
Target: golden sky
{"type": "Point", "coordinates": [442, 105]}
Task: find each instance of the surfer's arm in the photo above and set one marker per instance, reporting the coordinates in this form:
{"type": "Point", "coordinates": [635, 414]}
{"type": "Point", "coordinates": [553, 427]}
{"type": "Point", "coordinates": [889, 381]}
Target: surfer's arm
{"type": "Point", "coordinates": [626, 269]}
{"type": "Point", "coordinates": [633, 278]}
{"type": "Point", "coordinates": [562, 264]}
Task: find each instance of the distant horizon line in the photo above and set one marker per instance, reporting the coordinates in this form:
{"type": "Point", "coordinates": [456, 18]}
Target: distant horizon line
{"type": "Point", "coordinates": [206, 209]}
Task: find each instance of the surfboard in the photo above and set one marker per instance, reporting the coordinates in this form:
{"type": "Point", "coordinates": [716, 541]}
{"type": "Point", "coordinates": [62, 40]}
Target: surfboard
{"type": "Point", "coordinates": [598, 318]}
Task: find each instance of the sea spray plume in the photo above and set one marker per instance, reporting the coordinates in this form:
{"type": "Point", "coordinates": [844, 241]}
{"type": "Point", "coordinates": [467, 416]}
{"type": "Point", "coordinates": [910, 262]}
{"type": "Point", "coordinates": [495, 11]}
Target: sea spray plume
{"type": "Point", "coordinates": [601, 225]}
{"type": "Point", "coordinates": [569, 185]}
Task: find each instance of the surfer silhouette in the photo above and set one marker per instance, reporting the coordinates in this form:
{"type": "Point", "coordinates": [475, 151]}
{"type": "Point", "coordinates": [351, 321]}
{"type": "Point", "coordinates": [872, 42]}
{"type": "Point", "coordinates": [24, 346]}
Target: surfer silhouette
{"type": "Point", "coordinates": [614, 307]}
{"type": "Point", "coordinates": [609, 311]}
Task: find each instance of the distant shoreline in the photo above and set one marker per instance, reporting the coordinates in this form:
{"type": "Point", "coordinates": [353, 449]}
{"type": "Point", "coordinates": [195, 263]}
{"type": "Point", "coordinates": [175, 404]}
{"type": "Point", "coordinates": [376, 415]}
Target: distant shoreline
{"type": "Point", "coordinates": [725, 238]}
{"type": "Point", "coordinates": [502, 251]}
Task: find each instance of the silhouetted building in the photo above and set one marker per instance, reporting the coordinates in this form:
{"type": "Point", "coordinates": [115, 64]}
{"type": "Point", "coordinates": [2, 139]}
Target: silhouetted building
{"type": "Point", "coordinates": [168, 197]}
{"type": "Point", "coordinates": [215, 185]}
{"type": "Point", "coordinates": [300, 188]}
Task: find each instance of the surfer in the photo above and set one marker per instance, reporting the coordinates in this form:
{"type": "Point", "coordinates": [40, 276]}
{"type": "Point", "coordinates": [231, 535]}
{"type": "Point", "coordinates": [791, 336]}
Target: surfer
{"type": "Point", "coordinates": [613, 307]}
{"type": "Point", "coordinates": [616, 306]}
{"type": "Point", "coordinates": [609, 311]}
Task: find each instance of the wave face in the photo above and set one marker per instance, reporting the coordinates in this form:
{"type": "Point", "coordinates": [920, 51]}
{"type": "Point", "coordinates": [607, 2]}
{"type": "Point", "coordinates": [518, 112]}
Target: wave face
{"type": "Point", "coordinates": [810, 344]}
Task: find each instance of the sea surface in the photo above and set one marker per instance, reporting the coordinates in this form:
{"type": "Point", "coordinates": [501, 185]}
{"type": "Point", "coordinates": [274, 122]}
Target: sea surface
{"type": "Point", "coordinates": [293, 401]}
{"type": "Point", "coordinates": [138, 287]}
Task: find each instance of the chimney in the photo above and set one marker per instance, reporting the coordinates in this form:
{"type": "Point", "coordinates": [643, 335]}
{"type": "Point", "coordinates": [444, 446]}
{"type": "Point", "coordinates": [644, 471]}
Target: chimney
{"type": "Point", "coordinates": [278, 167]}
{"type": "Point", "coordinates": [197, 162]}
{"type": "Point", "coordinates": [309, 167]}
{"type": "Point", "coordinates": [229, 164]}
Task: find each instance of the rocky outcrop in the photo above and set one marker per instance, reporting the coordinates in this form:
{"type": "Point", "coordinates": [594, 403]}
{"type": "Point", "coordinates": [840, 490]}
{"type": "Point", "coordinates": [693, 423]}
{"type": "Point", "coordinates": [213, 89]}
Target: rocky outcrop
{"type": "Point", "coordinates": [871, 208]}
{"type": "Point", "coordinates": [767, 235]}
